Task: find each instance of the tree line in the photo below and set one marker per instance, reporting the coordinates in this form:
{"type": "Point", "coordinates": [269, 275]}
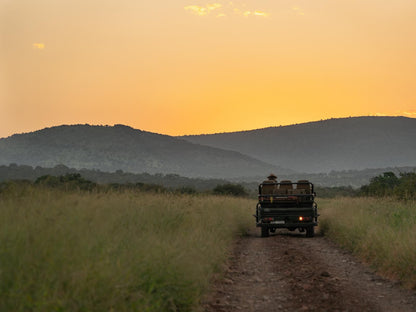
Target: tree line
{"type": "Point", "coordinates": [388, 184]}
{"type": "Point", "coordinates": [26, 172]}
{"type": "Point", "coordinates": [75, 182]}
{"type": "Point", "coordinates": [400, 185]}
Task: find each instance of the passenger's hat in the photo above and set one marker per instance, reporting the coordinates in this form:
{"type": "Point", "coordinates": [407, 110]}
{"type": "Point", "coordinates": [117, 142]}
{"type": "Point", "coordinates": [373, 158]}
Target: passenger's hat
{"type": "Point", "coordinates": [272, 176]}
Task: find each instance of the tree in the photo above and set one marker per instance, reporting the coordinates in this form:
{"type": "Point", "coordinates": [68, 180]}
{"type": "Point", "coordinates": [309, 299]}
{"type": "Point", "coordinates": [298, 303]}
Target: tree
{"type": "Point", "coordinates": [383, 185]}
{"type": "Point", "coordinates": [70, 181]}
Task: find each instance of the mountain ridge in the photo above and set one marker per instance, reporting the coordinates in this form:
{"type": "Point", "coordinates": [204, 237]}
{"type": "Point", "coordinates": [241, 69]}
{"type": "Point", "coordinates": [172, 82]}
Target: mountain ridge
{"type": "Point", "coordinates": [353, 143]}
{"type": "Point", "coordinates": [120, 147]}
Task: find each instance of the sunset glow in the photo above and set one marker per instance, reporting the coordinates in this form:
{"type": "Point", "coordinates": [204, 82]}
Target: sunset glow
{"type": "Point", "coordinates": [195, 66]}
{"type": "Point", "coordinates": [38, 46]}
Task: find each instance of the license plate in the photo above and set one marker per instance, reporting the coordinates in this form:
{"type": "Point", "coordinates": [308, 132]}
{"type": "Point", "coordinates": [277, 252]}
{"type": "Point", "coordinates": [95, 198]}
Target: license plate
{"type": "Point", "coordinates": [279, 222]}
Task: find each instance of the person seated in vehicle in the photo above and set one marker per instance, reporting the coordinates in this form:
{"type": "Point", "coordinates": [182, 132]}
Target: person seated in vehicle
{"type": "Point", "coordinates": [269, 185]}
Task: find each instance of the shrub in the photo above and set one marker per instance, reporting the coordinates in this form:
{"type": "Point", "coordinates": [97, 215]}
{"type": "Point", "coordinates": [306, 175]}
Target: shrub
{"type": "Point", "coordinates": [186, 190]}
{"type": "Point", "coordinates": [230, 189]}
{"type": "Point", "coordinates": [388, 184]}
{"type": "Point", "coordinates": [70, 181]}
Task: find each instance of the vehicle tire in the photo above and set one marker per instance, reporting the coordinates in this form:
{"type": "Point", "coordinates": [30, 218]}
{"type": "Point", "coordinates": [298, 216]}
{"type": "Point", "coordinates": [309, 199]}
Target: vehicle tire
{"type": "Point", "coordinates": [264, 231]}
{"type": "Point", "coordinates": [310, 231]}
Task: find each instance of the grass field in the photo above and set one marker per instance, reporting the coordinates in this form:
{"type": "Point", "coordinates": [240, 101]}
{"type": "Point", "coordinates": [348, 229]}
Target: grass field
{"type": "Point", "coordinates": [114, 251]}
{"type": "Point", "coordinates": [382, 232]}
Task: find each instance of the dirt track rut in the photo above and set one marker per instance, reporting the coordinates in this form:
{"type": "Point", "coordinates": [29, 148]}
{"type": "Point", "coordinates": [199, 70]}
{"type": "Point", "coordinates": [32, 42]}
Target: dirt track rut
{"type": "Point", "coordinates": [288, 272]}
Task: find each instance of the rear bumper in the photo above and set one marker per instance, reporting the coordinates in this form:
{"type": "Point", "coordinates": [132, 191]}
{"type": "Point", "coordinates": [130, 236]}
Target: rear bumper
{"type": "Point", "coordinates": [287, 225]}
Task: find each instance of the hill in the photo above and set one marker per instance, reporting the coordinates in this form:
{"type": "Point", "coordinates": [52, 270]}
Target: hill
{"type": "Point", "coordinates": [124, 148]}
{"type": "Point", "coordinates": [335, 144]}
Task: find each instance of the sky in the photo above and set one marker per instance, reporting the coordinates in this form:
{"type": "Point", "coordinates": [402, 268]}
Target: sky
{"type": "Point", "coordinates": [193, 66]}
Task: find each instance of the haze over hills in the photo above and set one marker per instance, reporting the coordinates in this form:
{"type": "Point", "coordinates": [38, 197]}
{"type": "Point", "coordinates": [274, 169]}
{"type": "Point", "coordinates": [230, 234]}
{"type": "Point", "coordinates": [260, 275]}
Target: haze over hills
{"type": "Point", "coordinates": [336, 144]}
{"type": "Point", "coordinates": [315, 147]}
{"type": "Point", "coordinates": [124, 148]}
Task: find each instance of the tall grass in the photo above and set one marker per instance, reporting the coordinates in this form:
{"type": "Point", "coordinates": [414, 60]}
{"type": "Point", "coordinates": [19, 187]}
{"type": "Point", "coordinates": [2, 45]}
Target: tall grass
{"type": "Point", "coordinates": [113, 252]}
{"type": "Point", "coordinates": [380, 231]}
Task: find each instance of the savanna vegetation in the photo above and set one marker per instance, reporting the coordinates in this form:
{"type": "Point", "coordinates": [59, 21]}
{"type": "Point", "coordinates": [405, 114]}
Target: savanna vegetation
{"type": "Point", "coordinates": [388, 184]}
{"type": "Point", "coordinates": [336, 191]}
{"type": "Point", "coordinates": [118, 177]}
{"type": "Point", "coordinates": [74, 181]}
{"type": "Point", "coordinates": [230, 189]}
{"type": "Point", "coordinates": [377, 223]}
{"type": "Point", "coordinates": [329, 183]}
{"type": "Point", "coordinates": [69, 249]}
{"type": "Point", "coordinates": [381, 231]}
{"type": "Point", "coordinates": [67, 243]}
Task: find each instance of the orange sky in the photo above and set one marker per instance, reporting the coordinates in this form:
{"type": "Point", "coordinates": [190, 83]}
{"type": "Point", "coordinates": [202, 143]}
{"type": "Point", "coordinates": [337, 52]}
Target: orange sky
{"type": "Point", "coordinates": [190, 66]}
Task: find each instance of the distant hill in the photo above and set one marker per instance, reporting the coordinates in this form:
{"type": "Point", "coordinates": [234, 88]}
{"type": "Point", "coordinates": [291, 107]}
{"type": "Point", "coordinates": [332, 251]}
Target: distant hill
{"type": "Point", "coordinates": [124, 148]}
{"type": "Point", "coordinates": [336, 144]}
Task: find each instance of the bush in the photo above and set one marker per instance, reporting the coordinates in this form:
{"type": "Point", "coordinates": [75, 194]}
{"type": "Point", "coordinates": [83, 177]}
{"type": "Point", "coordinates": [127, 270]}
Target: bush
{"type": "Point", "coordinates": [230, 189]}
{"type": "Point", "coordinates": [336, 191]}
{"type": "Point", "coordinates": [186, 190]}
{"type": "Point", "coordinates": [70, 181]}
{"type": "Point", "coordinates": [388, 184]}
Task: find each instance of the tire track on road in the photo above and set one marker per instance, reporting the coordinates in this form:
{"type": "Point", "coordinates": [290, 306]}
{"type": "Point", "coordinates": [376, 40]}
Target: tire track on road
{"type": "Point", "coordinates": [288, 272]}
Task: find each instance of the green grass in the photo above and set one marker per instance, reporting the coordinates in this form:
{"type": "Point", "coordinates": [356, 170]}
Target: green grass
{"type": "Point", "coordinates": [380, 231]}
{"type": "Point", "coordinates": [113, 252]}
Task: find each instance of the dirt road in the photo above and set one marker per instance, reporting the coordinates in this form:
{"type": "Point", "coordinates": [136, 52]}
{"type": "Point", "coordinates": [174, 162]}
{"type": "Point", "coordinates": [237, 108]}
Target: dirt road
{"type": "Point", "coordinates": [288, 272]}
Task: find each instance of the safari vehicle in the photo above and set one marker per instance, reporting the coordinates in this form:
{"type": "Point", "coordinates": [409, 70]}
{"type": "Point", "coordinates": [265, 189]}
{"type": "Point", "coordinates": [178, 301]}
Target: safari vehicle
{"type": "Point", "coordinates": [286, 205]}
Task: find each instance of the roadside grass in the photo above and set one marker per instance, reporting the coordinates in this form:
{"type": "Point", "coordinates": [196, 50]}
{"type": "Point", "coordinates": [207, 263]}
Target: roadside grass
{"type": "Point", "coordinates": [128, 251]}
{"type": "Point", "coordinates": [382, 232]}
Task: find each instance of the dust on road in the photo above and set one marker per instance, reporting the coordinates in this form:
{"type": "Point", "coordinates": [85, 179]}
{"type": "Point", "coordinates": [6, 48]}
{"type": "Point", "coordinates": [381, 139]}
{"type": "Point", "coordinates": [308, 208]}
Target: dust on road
{"type": "Point", "coordinates": [288, 272]}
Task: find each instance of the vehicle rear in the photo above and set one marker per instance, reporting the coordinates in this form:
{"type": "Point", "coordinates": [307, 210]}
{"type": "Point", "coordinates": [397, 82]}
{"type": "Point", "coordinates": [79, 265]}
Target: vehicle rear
{"type": "Point", "coordinates": [286, 205]}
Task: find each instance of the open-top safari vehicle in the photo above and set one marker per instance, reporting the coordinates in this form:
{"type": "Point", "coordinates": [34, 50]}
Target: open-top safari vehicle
{"type": "Point", "coordinates": [286, 205]}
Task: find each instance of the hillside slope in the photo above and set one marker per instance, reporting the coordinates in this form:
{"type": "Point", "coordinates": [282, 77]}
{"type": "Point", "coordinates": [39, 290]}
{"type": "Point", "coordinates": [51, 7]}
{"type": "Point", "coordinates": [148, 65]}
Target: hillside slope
{"type": "Point", "coordinates": [121, 147]}
{"type": "Point", "coordinates": [335, 144]}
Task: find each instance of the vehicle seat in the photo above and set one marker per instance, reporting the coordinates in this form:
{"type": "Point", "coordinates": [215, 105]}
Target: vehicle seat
{"type": "Point", "coordinates": [268, 187]}
{"type": "Point", "coordinates": [286, 186]}
{"type": "Point", "coordinates": [279, 191]}
{"type": "Point", "coordinates": [304, 185]}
